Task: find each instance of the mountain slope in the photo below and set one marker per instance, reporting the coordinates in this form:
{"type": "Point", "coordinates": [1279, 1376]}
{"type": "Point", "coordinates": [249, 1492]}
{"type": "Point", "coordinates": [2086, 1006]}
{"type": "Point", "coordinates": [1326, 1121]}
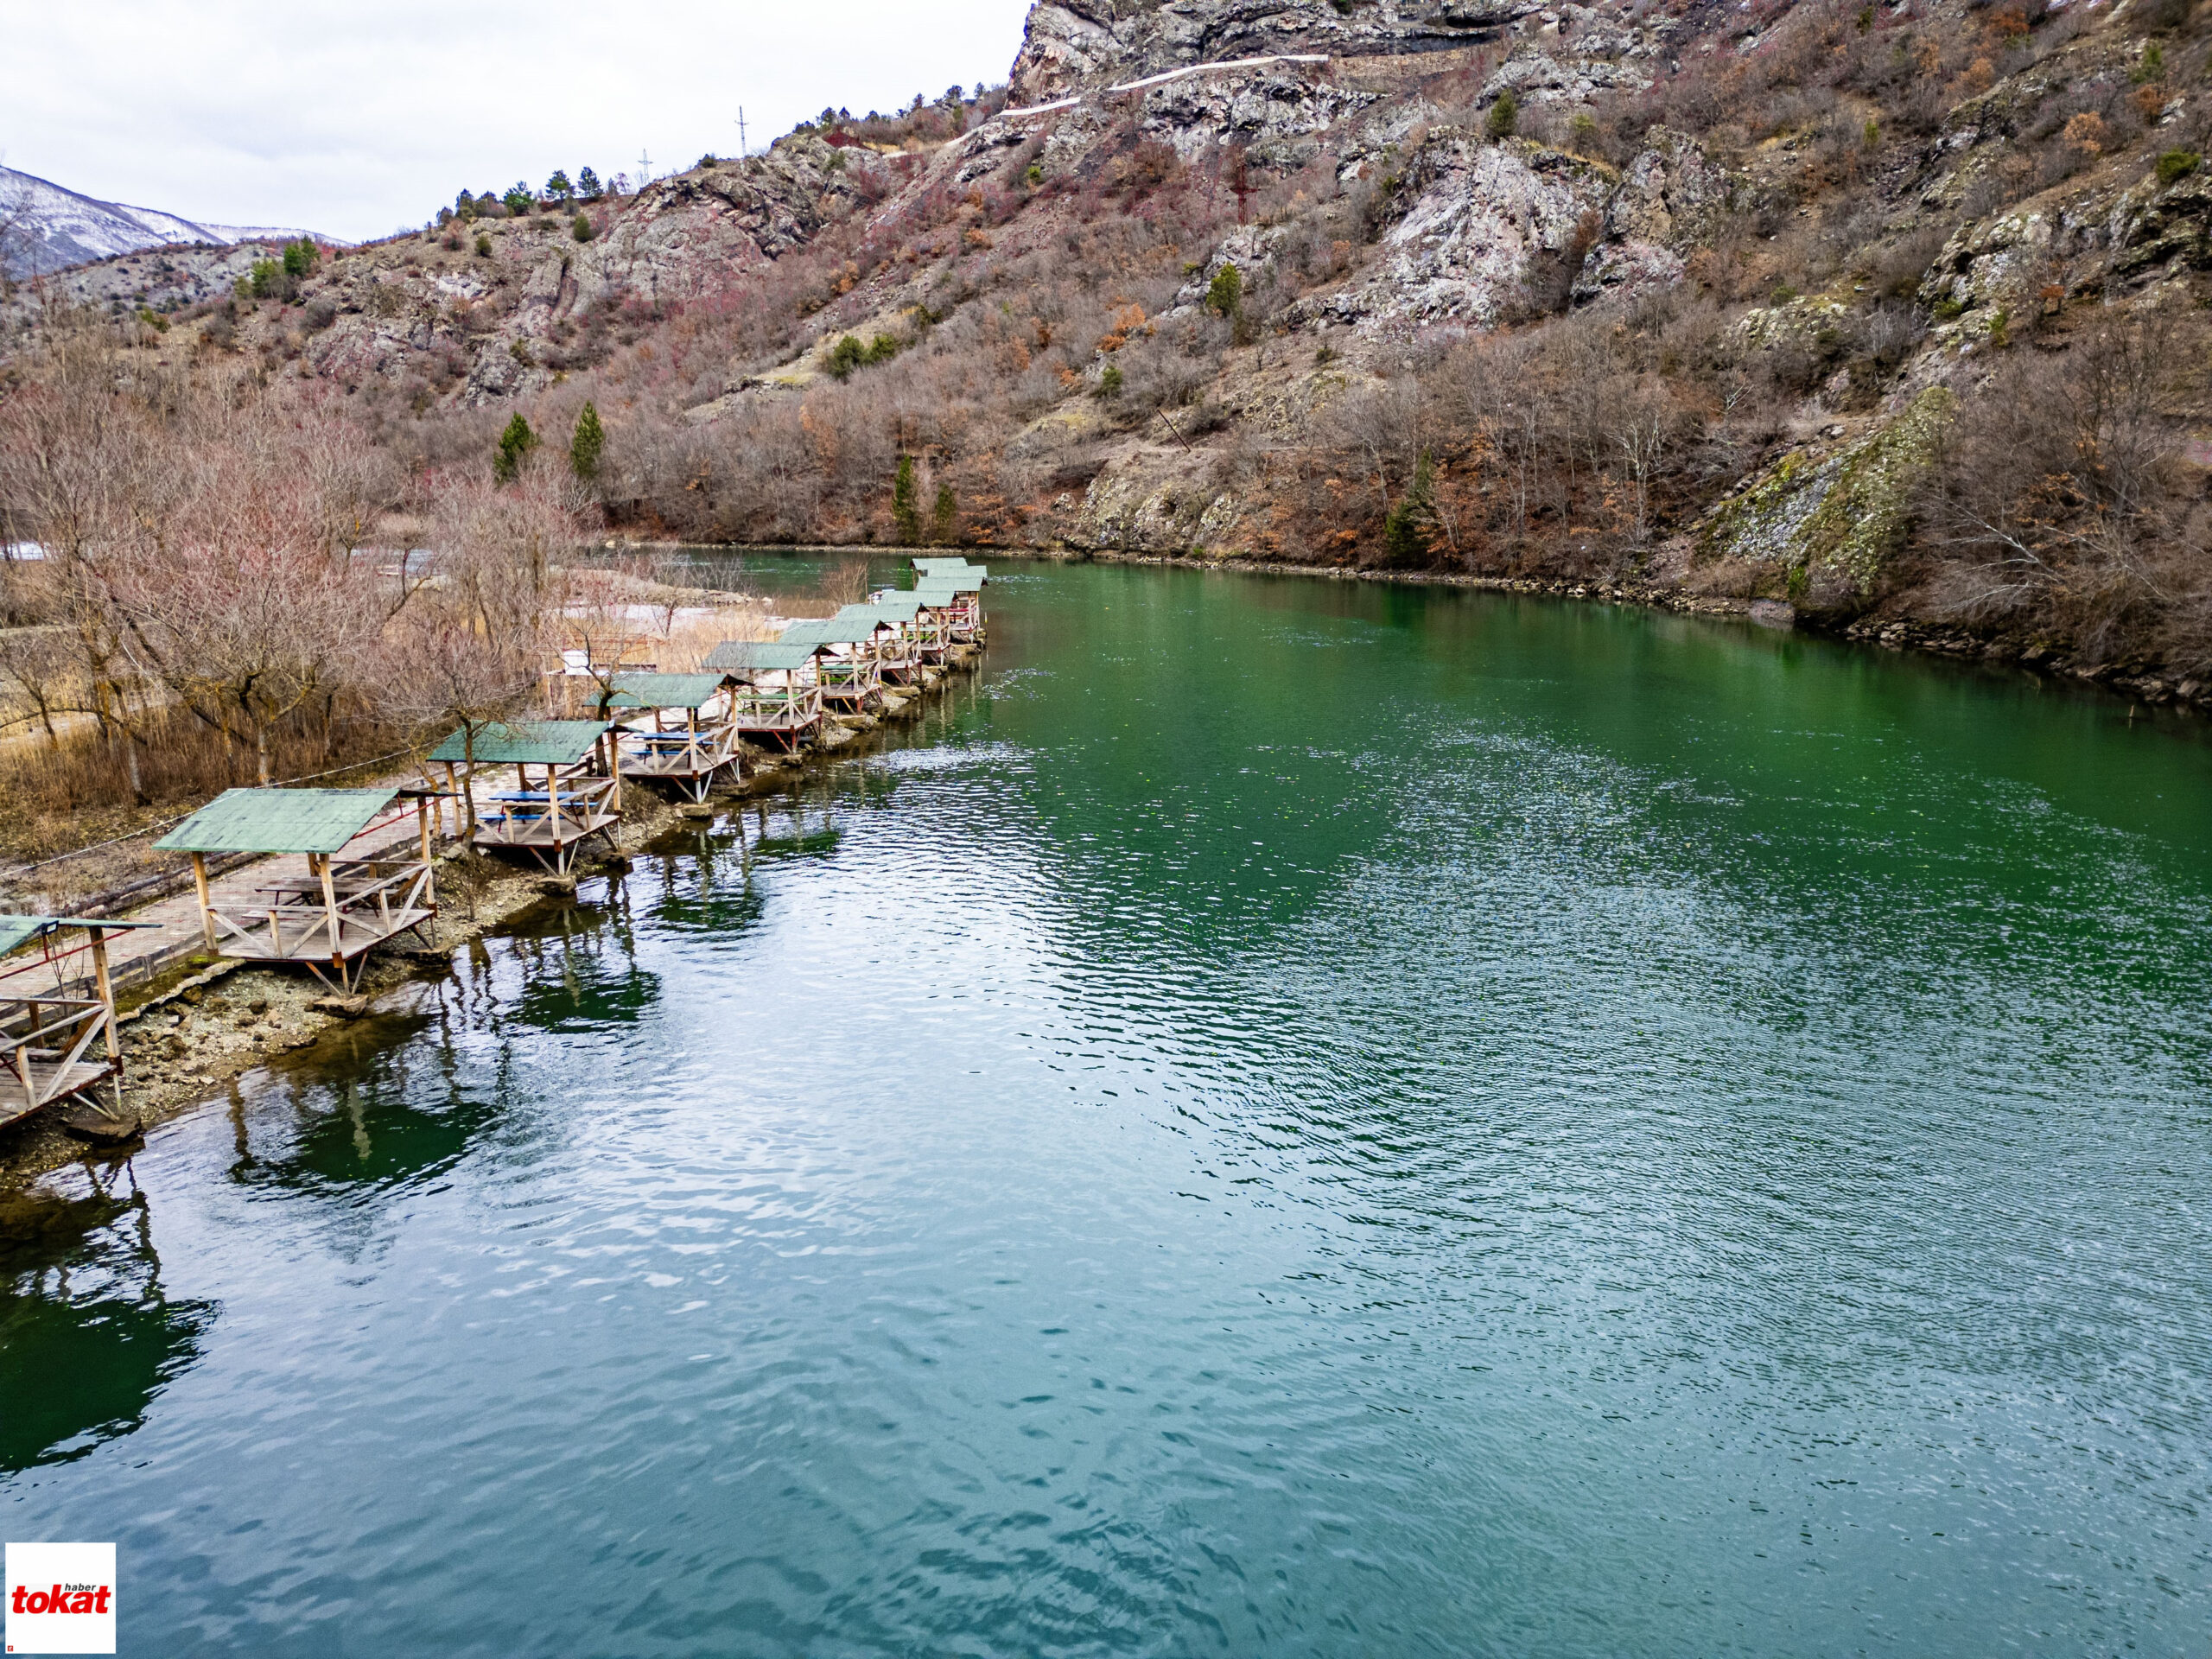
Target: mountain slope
{"type": "Point", "coordinates": [1888, 318]}
{"type": "Point", "coordinates": [45, 228]}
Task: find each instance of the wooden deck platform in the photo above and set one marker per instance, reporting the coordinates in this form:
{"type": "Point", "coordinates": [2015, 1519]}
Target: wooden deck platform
{"type": "Point", "coordinates": [689, 759]}
{"type": "Point", "coordinates": [331, 918]}
{"type": "Point", "coordinates": [550, 824]}
{"type": "Point", "coordinates": [783, 716]}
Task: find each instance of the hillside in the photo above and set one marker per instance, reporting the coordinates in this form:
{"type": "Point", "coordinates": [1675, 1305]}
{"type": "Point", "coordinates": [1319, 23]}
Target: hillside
{"type": "Point", "coordinates": [46, 228]}
{"type": "Point", "coordinates": [1894, 315]}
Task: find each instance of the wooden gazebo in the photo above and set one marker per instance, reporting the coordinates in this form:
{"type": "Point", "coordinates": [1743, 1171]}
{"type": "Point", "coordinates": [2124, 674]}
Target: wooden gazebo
{"type": "Point", "coordinates": [773, 698]}
{"type": "Point", "coordinates": [578, 793]}
{"type": "Point", "coordinates": [846, 669]}
{"type": "Point", "coordinates": [330, 919]}
{"type": "Point", "coordinates": [891, 641]}
{"type": "Point", "coordinates": [688, 753]}
{"type": "Point", "coordinates": [945, 619]}
{"type": "Point", "coordinates": [54, 1011]}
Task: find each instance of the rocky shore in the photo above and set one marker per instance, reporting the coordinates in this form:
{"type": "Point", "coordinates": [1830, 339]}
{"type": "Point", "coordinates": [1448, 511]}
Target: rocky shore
{"type": "Point", "coordinates": [191, 1032]}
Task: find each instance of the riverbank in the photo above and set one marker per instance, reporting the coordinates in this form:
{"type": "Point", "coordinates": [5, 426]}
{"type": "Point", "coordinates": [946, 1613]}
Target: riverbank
{"type": "Point", "coordinates": [1884, 632]}
{"type": "Point", "coordinates": [199, 1024]}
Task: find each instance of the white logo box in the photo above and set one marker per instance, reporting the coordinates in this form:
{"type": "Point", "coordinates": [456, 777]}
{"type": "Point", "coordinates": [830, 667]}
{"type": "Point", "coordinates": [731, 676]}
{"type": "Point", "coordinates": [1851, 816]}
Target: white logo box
{"type": "Point", "coordinates": [72, 1587]}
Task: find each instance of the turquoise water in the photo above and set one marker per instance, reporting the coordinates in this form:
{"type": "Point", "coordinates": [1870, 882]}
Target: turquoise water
{"type": "Point", "coordinates": [1289, 1118]}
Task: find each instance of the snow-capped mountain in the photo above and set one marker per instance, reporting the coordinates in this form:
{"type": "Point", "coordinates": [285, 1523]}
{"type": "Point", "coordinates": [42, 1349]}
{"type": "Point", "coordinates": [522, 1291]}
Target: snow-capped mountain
{"type": "Point", "coordinates": [44, 227]}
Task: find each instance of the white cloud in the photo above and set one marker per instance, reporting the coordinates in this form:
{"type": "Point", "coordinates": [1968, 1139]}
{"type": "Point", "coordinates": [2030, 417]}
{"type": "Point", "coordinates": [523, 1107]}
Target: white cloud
{"type": "Point", "coordinates": [356, 120]}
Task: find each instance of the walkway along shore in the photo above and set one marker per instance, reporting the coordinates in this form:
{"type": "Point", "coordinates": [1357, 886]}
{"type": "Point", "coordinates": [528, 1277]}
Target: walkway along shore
{"type": "Point", "coordinates": [191, 1021]}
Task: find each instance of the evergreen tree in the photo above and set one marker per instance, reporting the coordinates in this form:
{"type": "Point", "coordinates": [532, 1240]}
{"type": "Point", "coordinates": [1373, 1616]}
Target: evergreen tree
{"type": "Point", "coordinates": [943, 515]}
{"type": "Point", "coordinates": [519, 199]}
{"type": "Point", "coordinates": [587, 185]}
{"type": "Point", "coordinates": [1225, 293]}
{"type": "Point", "coordinates": [515, 444]}
{"type": "Point", "coordinates": [1504, 117]}
{"type": "Point", "coordinates": [904, 513]}
{"type": "Point", "coordinates": [300, 258]}
{"type": "Point", "coordinates": [582, 229]}
{"type": "Point", "coordinates": [558, 187]}
{"type": "Point", "coordinates": [585, 449]}
{"type": "Point", "coordinates": [1406, 529]}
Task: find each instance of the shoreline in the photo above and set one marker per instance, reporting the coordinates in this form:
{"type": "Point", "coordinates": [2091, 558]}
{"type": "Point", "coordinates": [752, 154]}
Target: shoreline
{"type": "Point", "coordinates": [190, 1033]}
{"type": "Point", "coordinates": [2176, 694]}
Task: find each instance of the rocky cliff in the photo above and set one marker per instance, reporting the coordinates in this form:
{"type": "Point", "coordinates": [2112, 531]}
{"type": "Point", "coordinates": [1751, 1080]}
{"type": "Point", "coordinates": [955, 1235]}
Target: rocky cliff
{"type": "Point", "coordinates": [1732, 301]}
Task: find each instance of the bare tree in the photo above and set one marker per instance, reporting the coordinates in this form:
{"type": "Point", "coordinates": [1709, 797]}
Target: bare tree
{"type": "Point", "coordinates": [467, 648]}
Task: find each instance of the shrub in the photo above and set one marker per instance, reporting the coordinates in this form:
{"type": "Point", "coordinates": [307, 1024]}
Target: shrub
{"type": "Point", "coordinates": [1946, 311]}
{"type": "Point", "coordinates": [265, 280]}
{"type": "Point", "coordinates": [518, 200]}
{"type": "Point", "coordinates": [582, 228]}
{"type": "Point", "coordinates": [2176, 164]}
{"type": "Point", "coordinates": [845, 355]}
{"type": "Point", "coordinates": [483, 245]}
{"type": "Point", "coordinates": [1109, 383]}
{"type": "Point", "coordinates": [1504, 116]}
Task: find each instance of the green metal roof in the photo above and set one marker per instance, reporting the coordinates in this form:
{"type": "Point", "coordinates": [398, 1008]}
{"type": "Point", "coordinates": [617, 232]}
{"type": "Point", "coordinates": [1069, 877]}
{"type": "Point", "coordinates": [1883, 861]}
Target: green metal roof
{"type": "Point", "coordinates": [15, 929]}
{"type": "Point", "coordinates": [936, 592]}
{"type": "Point", "coordinates": [760, 656]}
{"type": "Point", "coordinates": [898, 607]}
{"type": "Point", "coordinates": [665, 690]}
{"type": "Point", "coordinates": [277, 821]}
{"type": "Point", "coordinates": [837, 631]}
{"type": "Point", "coordinates": [525, 743]}
{"type": "Point", "coordinates": [926, 567]}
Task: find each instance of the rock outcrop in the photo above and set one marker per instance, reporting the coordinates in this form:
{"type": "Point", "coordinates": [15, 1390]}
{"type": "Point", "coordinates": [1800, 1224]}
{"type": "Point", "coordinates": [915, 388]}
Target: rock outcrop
{"type": "Point", "coordinates": [1070, 46]}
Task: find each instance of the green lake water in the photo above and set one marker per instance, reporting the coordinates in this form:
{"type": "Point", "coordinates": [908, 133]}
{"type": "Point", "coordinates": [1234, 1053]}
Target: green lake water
{"type": "Point", "coordinates": [1285, 1118]}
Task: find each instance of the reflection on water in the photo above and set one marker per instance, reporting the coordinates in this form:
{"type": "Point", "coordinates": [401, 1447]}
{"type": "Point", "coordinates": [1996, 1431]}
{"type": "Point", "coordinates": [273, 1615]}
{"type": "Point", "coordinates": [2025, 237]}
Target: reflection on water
{"type": "Point", "coordinates": [87, 1336]}
{"type": "Point", "coordinates": [1291, 1118]}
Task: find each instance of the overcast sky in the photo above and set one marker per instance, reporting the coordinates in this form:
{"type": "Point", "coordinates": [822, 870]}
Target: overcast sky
{"type": "Point", "coordinates": [357, 119]}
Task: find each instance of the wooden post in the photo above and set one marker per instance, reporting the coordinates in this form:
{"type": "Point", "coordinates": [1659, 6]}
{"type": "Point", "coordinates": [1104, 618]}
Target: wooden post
{"type": "Point", "coordinates": [107, 989]}
{"type": "Point", "coordinates": [207, 913]}
{"type": "Point", "coordinates": [330, 906]}
{"type": "Point", "coordinates": [422, 822]}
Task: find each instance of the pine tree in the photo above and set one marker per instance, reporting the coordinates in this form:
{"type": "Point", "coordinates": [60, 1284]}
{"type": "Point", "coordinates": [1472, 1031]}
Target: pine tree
{"type": "Point", "coordinates": [1406, 528]}
{"type": "Point", "coordinates": [904, 513]}
{"type": "Point", "coordinates": [944, 515]}
{"type": "Point", "coordinates": [585, 449]}
{"type": "Point", "coordinates": [1226, 292]}
{"type": "Point", "coordinates": [558, 187]}
{"type": "Point", "coordinates": [587, 185]}
{"type": "Point", "coordinates": [515, 444]}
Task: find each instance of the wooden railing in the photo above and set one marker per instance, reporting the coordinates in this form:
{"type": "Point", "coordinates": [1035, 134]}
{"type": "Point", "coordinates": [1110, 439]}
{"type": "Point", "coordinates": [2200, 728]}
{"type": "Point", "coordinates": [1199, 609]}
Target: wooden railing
{"type": "Point", "coordinates": [336, 910]}
{"type": "Point", "coordinates": [570, 809]}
